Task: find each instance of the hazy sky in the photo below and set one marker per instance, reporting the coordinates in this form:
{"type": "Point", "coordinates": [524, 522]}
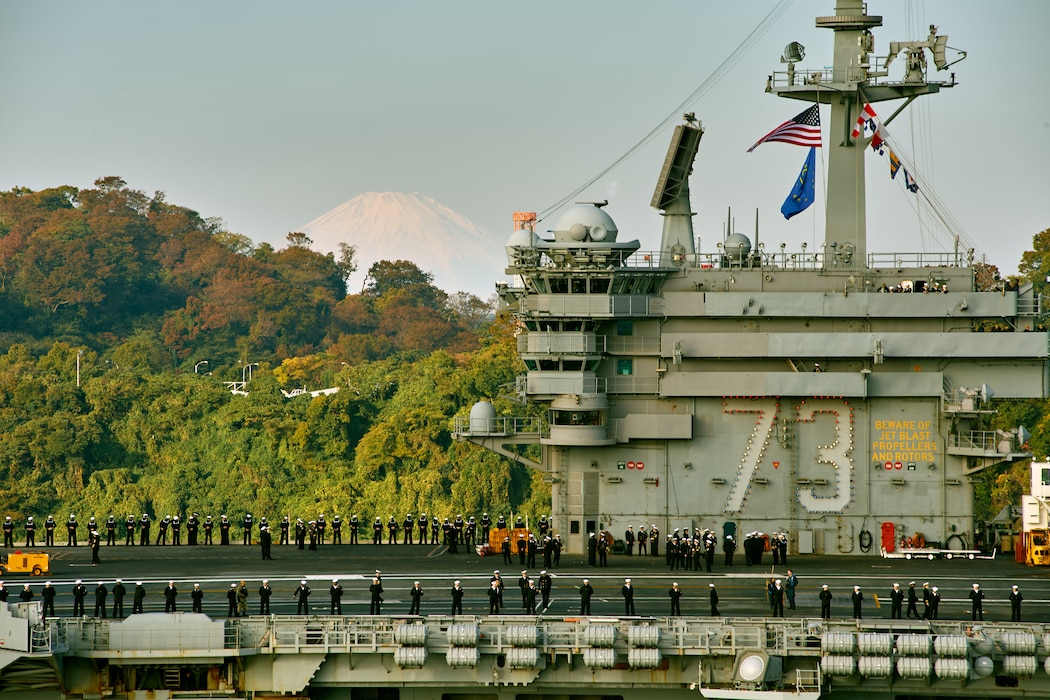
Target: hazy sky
{"type": "Point", "coordinates": [268, 114]}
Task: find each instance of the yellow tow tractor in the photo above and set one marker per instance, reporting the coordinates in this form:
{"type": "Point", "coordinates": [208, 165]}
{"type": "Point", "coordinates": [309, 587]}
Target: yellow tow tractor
{"type": "Point", "coordinates": [18, 562]}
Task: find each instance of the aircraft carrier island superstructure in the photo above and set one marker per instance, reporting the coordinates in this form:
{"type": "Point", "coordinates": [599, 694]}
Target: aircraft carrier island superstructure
{"type": "Point", "coordinates": [837, 395]}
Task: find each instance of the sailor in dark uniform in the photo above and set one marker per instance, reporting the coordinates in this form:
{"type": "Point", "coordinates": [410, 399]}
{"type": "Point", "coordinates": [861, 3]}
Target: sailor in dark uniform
{"type": "Point", "coordinates": [286, 527]}
{"type": "Point", "coordinates": [336, 595]}
{"type": "Point", "coordinates": [896, 602]}
{"type": "Point", "coordinates": [101, 593]}
{"type": "Point", "coordinates": [31, 533]}
{"type": "Point", "coordinates": [409, 528]}
{"type": "Point", "coordinates": [71, 531]}
{"type": "Point", "coordinates": [111, 531]}
{"type": "Point", "coordinates": [586, 591]}
{"type": "Point", "coordinates": [176, 531]}
{"type": "Point", "coordinates": [248, 524]}
{"type": "Point", "coordinates": [224, 530]}
{"type": "Point", "coordinates": [422, 523]}
{"type": "Point", "coordinates": [129, 530]}
{"type": "Point", "coordinates": [208, 527]}
{"type": "Point", "coordinates": [144, 530]}
{"type": "Point", "coordinates": [457, 598]}
{"type": "Point", "coordinates": [193, 525]}
{"type": "Point", "coordinates": [9, 532]}
{"type": "Point", "coordinates": [337, 530]}
{"type": "Point", "coordinates": [486, 525]}
{"type": "Point", "coordinates": [391, 526]}
{"type": "Point", "coordinates": [416, 594]}
{"type": "Point", "coordinates": [355, 525]}
{"type": "Point", "coordinates": [322, 526]}
{"type": "Point", "coordinates": [377, 532]}
{"type": "Point", "coordinates": [162, 530]}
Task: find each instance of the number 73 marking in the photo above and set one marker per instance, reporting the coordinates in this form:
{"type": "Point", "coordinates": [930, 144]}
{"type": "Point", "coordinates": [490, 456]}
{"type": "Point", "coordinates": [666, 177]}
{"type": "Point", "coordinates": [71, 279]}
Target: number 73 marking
{"type": "Point", "coordinates": [836, 454]}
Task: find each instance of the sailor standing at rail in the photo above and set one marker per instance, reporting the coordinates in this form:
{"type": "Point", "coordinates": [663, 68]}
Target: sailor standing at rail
{"type": "Point", "coordinates": [1015, 604]}
{"type": "Point", "coordinates": [913, 600]}
{"type": "Point", "coordinates": [977, 602]}
{"type": "Point", "coordinates": [896, 602]}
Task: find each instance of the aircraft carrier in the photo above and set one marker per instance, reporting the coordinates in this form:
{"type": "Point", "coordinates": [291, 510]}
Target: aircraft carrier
{"type": "Point", "coordinates": [838, 395]}
{"type": "Point", "coordinates": [742, 390]}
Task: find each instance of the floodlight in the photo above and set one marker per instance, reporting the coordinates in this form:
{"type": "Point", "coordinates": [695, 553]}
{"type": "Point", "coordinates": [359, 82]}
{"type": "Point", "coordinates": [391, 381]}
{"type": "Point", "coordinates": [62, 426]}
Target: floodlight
{"type": "Point", "coordinates": [793, 53]}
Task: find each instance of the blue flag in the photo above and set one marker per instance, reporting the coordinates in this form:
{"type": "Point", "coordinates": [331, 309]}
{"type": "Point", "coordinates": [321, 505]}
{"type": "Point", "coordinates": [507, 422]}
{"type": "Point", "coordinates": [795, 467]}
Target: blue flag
{"type": "Point", "coordinates": [803, 192]}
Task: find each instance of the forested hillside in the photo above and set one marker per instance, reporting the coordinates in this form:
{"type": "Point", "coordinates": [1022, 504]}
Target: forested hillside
{"type": "Point", "coordinates": [122, 315]}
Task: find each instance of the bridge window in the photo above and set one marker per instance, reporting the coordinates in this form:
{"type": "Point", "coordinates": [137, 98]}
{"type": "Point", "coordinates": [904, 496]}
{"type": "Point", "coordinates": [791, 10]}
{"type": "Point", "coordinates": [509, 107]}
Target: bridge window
{"type": "Point", "coordinates": [599, 285]}
{"type": "Point", "coordinates": [625, 367]}
{"type": "Point", "coordinates": [625, 327]}
{"type": "Point", "coordinates": [1045, 476]}
{"type": "Point", "coordinates": [576, 418]}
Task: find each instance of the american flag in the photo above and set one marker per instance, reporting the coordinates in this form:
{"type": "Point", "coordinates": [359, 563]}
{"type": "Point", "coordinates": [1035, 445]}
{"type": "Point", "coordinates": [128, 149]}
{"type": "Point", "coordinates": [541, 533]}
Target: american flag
{"type": "Point", "coordinates": [801, 130]}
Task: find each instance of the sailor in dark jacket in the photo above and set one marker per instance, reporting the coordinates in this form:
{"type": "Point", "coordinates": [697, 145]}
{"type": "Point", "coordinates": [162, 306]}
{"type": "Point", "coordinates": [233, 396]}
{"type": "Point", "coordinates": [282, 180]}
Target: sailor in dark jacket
{"type": "Point", "coordinates": [170, 593]}
{"type": "Point", "coordinates": [231, 601]}
{"type": "Point", "coordinates": [416, 594]}
{"type": "Point", "coordinates": [376, 591]}
{"type": "Point", "coordinates": [977, 602]}
{"type": "Point", "coordinates": [858, 600]}
{"type": "Point", "coordinates": [586, 591]}
{"type": "Point", "coordinates": [913, 600]}
{"type": "Point", "coordinates": [457, 598]}
{"type": "Point", "coordinates": [80, 592]}
{"type": "Point", "coordinates": [1015, 604]}
{"type": "Point", "coordinates": [628, 597]}
{"type": "Point", "coordinates": [118, 599]}
{"type": "Point", "coordinates": [896, 602]}
{"type": "Point", "coordinates": [265, 592]}
{"type": "Point", "coordinates": [197, 596]}
{"type": "Point", "coordinates": [101, 593]}
{"type": "Point", "coordinates": [48, 594]}
{"type": "Point", "coordinates": [336, 595]}
{"type": "Point", "coordinates": [302, 593]}
{"type": "Point", "coordinates": [825, 602]}
{"type": "Point", "coordinates": [676, 599]}
{"type": "Point", "coordinates": [138, 598]}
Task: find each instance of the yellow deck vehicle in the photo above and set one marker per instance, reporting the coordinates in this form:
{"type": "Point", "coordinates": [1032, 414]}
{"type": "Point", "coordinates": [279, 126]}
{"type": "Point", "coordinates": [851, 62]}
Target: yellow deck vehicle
{"type": "Point", "coordinates": [35, 563]}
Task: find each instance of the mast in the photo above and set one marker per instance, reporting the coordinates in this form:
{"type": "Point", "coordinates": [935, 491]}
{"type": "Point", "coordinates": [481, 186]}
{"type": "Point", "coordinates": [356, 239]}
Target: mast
{"type": "Point", "coordinates": [854, 81]}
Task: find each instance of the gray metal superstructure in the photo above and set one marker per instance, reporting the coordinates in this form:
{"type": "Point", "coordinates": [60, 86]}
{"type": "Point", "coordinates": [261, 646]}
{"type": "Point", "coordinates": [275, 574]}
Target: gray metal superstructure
{"type": "Point", "coordinates": [838, 395]}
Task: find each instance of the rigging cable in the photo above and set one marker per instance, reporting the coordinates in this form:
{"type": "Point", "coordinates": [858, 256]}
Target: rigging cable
{"type": "Point", "coordinates": [713, 79]}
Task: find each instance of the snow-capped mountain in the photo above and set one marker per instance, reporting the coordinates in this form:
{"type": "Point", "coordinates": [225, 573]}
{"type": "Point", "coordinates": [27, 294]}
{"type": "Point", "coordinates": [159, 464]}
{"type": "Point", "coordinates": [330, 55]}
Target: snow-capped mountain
{"type": "Point", "coordinates": [399, 226]}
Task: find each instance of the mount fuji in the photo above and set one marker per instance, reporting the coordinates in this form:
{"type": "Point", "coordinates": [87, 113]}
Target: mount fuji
{"type": "Point", "coordinates": [398, 226]}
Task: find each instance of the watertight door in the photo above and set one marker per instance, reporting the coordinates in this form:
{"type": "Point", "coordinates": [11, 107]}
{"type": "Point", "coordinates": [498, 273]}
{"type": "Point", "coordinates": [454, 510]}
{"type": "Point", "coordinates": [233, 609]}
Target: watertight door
{"type": "Point", "coordinates": [889, 536]}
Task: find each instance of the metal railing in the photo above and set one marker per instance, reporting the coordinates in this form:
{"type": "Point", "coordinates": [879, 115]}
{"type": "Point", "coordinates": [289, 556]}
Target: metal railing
{"type": "Point", "coordinates": [684, 636]}
{"type": "Point", "coordinates": [986, 441]}
{"type": "Point", "coordinates": [525, 426]}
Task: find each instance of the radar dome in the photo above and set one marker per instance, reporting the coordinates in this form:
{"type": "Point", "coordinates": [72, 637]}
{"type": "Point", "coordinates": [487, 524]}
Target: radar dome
{"type": "Point", "coordinates": [584, 223]}
{"type": "Point", "coordinates": [737, 246]}
{"type": "Point", "coordinates": [521, 238]}
{"type": "Point", "coordinates": [482, 417]}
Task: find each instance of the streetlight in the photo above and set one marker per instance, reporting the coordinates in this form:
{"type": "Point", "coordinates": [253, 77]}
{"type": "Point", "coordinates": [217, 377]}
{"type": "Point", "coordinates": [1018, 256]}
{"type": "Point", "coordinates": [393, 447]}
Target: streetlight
{"type": "Point", "coordinates": [197, 366]}
{"type": "Point", "coordinates": [247, 370]}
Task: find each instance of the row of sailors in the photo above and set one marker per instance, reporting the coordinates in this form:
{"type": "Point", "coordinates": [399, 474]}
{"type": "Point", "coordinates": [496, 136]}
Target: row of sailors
{"type": "Point", "coordinates": [465, 531]}
{"type": "Point", "coordinates": [777, 591]}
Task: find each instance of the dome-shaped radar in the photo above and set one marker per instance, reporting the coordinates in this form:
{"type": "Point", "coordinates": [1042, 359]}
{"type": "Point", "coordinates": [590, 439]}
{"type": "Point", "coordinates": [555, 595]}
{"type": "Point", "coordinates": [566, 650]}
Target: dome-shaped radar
{"type": "Point", "coordinates": [482, 418]}
{"type": "Point", "coordinates": [521, 243]}
{"type": "Point", "coordinates": [737, 246]}
{"type": "Point", "coordinates": [585, 222]}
